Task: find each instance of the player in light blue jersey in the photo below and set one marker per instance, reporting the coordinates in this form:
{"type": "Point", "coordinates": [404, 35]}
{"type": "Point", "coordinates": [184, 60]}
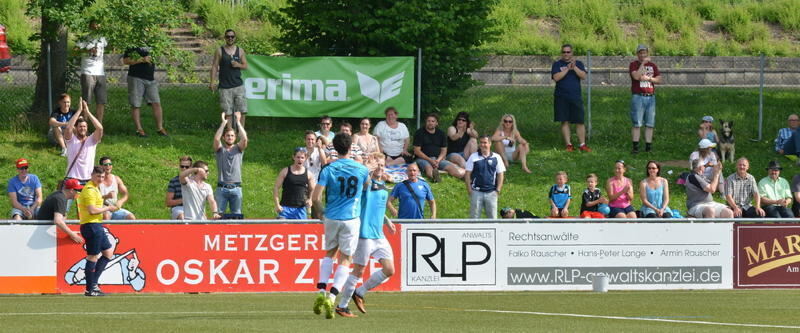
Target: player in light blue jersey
{"type": "Point", "coordinates": [344, 180]}
{"type": "Point", "coordinates": [371, 242]}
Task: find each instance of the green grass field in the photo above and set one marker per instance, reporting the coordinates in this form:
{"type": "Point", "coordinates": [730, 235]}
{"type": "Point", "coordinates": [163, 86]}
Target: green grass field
{"type": "Point", "coordinates": [616, 311]}
{"type": "Point", "coordinates": [191, 116]}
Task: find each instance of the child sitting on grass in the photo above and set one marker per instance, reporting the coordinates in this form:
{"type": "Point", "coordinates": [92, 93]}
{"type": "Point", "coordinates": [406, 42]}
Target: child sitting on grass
{"type": "Point", "coordinates": [592, 199]}
{"type": "Point", "coordinates": [560, 196]}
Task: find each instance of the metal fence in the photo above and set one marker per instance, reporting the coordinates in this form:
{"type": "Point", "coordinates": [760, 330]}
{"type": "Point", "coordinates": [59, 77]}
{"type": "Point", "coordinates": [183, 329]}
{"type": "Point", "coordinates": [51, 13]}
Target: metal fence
{"type": "Point", "coordinates": [760, 83]}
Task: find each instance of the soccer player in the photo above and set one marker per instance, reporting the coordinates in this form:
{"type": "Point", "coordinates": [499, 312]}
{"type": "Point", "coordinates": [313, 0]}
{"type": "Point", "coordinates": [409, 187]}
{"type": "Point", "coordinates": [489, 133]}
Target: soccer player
{"type": "Point", "coordinates": [344, 179]}
{"type": "Point", "coordinates": [91, 209]}
{"type": "Point", "coordinates": [371, 242]}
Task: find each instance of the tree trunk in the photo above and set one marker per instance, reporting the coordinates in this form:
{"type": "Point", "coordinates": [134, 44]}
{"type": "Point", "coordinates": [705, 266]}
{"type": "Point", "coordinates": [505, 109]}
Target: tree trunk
{"type": "Point", "coordinates": [55, 35]}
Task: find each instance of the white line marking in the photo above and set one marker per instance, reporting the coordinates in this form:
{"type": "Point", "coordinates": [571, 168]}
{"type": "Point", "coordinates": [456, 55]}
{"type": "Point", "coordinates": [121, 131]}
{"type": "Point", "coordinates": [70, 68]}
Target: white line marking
{"type": "Point", "coordinates": [635, 318]}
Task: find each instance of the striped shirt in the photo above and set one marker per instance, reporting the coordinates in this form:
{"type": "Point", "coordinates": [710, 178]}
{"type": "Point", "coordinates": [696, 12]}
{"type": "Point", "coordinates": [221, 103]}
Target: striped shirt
{"type": "Point", "coordinates": [783, 136]}
{"type": "Point", "coordinates": [174, 186]}
{"type": "Point", "coordinates": [741, 189]}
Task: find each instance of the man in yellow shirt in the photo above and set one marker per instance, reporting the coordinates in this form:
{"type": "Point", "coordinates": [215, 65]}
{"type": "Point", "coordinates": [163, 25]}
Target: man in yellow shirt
{"type": "Point", "coordinates": [91, 209]}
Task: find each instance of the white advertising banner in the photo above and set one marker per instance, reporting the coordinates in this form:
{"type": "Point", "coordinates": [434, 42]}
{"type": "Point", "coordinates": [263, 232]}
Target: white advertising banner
{"type": "Point", "coordinates": [567, 256]}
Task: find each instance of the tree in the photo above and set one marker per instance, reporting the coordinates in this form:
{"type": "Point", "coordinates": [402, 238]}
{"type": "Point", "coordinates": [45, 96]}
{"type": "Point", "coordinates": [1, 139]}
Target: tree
{"type": "Point", "coordinates": [448, 31]}
{"type": "Point", "coordinates": [124, 23]}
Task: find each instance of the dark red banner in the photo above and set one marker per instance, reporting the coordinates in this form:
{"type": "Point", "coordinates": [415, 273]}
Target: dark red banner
{"type": "Point", "coordinates": [207, 258]}
{"type": "Point", "coordinates": [767, 256]}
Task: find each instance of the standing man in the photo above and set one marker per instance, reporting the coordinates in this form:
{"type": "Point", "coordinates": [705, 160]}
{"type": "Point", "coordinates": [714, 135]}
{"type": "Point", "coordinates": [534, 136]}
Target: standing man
{"type": "Point", "coordinates": [91, 210]}
{"type": "Point", "coordinates": [775, 193]}
{"type": "Point", "coordinates": [484, 179]}
{"type": "Point", "coordinates": [93, 75]}
{"type": "Point", "coordinates": [81, 147]}
{"type": "Point", "coordinates": [55, 208]}
{"type": "Point", "coordinates": [59, 119]}
{"type": "Point", "coordinates": [371, 242]}
{"type": "Point", "coordinates": [229, 61]}
{"type": "Point", "coordinates": [196, 192]}
{"type": "Point", "coordinates": [142, 84]}
{"type": "Point", "coordinates": [229, 166]}
{"type": "Point", "coordinates": [412, 192]}
{"type": "Point", "coordinates": [568, 72]}
{"type": "Point", "coordinates": [740, 188]}
{"type": "Point", "coordinates": [430, 147]}
{"type": "Point", "coordinates": [345, 180]}
{"type": "Point", "coordinates": [24, 192]}
{"type": "Point", "coordinates": [174, 195]}
{"type": "Point", "coordinates": [644, 77]}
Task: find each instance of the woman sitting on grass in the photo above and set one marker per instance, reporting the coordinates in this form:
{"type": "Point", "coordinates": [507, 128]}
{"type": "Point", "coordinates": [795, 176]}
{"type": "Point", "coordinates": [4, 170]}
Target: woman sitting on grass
{"type": "Point", "coordinates": [461, 139]}
{"type": "Point", "coordinates": [620, 193]}
{"type": "Point", "coordinates": [509, 144]}
{"type": "Point", "coordinates": [654, 191]}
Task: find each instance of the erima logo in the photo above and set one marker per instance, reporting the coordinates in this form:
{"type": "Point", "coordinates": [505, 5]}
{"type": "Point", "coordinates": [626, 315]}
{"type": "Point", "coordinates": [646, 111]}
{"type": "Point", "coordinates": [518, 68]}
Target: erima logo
{"type": "Point", "coordinates": [288, 89]}
{"type": "Point", "coordinates": [377, 91]}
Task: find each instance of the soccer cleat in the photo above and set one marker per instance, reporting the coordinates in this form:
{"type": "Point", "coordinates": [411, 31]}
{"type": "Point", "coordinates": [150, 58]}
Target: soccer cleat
{"type": "Point", "coordinates": [585, 148]}
{"type": "Point", "coordinates": [328, 305]}
{"type": "Point", "coordinates": [359, 302]}
{"type": "Point", "coordinates": [319, 302]}
{"type": "Point", "coordinates": [570, 148]}
{"type": "Point", "coordinates": [93, 293]}
{"type": "Point", "coordinates": [345, 312]}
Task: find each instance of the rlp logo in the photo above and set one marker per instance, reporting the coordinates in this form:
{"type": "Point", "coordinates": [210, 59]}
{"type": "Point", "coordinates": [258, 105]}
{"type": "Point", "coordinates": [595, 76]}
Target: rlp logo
{"type": "Point", "coordinates": [439, 248]}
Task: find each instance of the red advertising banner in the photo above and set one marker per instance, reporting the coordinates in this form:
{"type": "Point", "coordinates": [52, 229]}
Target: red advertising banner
{"type": "Point", "coordinates": [207, 258]}
{"type": "Point", "coordinates": [767, 256]}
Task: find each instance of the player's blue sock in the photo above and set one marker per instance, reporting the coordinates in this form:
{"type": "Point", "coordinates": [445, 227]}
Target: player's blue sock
{"type": "Point", "coordinates": [88, 269]}
{"type": "Point", "coordinates": [101, 266]}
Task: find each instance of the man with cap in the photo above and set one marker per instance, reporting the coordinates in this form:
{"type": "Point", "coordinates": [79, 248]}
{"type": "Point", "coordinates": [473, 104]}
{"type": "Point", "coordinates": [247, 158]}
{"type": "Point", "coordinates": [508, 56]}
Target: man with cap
{"type": "Point", "coordinates": [741, 189]}
{"type": "Point", "coordinates": [775, 192]}
{"type": "Point", "coordinates": [55, 208]}
{"type": "Point", "coordinates": [24, 192]}
{"type": "Point", "coordinates": [644, 76]}
{"type": "Point", "coordinates": [706, 155]}
{"type": "Point", "coordinates": [699, 202]}
{"type": "Point", "coordinates": [706, 130]}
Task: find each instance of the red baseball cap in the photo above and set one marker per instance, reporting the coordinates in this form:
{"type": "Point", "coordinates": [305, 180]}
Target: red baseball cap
{"type": "Point", "coordinates": [72, 184]}
{"type": "Point", "coordinates": [22, 163]}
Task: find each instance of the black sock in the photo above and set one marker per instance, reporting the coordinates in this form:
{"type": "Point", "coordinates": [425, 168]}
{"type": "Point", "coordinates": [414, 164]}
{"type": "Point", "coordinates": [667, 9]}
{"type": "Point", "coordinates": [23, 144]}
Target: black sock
{"type": "Point", "coordinates": [636, 145]}
{"type": "Point", "coordinates": [647, 146]}
{"type": "Point", "coordinates": [88, 270]}
{"type": "Point", "coordinates": [334, 291]}
{"type": "Point", "coordinates": [101, 266]}
{"type": "Point", "coordinates": [322, 286]}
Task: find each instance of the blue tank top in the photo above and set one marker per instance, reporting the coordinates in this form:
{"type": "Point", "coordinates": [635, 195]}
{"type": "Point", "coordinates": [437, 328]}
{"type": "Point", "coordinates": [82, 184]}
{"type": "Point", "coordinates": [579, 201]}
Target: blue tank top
{"type": "Point", "coordinates": [373, 209]}
{"type": "Point", "coordinates": [655, 196]}
{"type": "Point", "coordinates": [344, 183]}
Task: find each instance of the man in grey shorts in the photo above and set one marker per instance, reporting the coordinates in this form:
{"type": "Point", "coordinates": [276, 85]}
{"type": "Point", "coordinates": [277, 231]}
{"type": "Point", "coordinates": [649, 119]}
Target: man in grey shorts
{"type": "Point", "coordinates": [142, 83]}
{"type": "Point", "coordinates": [93, 76]}
{"type": "Point", "coordinates": [229, 61]}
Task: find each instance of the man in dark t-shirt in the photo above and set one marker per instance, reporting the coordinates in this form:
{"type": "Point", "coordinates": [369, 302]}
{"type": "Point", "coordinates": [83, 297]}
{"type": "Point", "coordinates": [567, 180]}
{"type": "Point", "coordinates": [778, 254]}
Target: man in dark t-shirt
{"type": "Point", "coordinates": [58, 121]}
{"type": "Point", "coordinates": [568, 72]}
{"type": "Point", "coordinates": [430, 148]}
{"type": "Point", "coordinates": [142, 84]}
{"type": "Point", "coordinates": [55, 207]}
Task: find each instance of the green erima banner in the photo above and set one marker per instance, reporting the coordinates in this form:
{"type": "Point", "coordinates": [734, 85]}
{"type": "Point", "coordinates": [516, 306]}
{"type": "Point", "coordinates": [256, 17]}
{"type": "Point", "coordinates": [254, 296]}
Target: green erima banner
{"type": "Point", "coordinates": [337, 86]}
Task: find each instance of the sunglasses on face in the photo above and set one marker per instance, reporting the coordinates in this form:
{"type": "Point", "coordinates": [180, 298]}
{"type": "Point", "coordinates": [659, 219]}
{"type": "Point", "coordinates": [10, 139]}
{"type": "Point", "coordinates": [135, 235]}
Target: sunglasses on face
{"type": "Point", "coordinates": [461, 119]}
{"type": "Point", "coordinates": [185, 166]}
{"type": "Point", "coordinates": [230, 37]}
{"type": "Point", "coordinates": [23, 168]}
{"type": "Point", "coordinates": [566, 52]}
{"type": "Point", "coordinates": [106, 164]}
{"type": "Point", "coordinates": [508, 121]}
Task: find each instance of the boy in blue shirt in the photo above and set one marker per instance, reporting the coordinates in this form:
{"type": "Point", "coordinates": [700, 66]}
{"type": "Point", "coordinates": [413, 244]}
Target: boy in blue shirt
{"type": "Point", "coordinates": [560, 196]}
{"type": "Point", "coordinates": [412, 194]}
{"type": "Point", "coordinates": [344, 180]}
{"type": "Point", "coordinates": [371, 242]}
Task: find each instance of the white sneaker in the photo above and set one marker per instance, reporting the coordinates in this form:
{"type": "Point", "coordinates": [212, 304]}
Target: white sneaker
{"type": "Point", "coordinates": [63, 151]}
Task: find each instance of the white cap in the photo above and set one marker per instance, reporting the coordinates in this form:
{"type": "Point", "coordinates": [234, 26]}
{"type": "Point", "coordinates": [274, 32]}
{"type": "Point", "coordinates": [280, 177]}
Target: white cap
{"type": "Point", "coordinates": [706, 143]}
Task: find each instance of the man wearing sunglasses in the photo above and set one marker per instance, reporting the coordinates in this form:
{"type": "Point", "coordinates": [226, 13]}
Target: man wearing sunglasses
{"type": "Point", "coordinates": [229, 61]}
{"type": "Point", "coordinates": [174, 195]}
{"type": "Point", "coordinates": [24, 192]}
{"type": "Point", "coordinates": [568, 72]}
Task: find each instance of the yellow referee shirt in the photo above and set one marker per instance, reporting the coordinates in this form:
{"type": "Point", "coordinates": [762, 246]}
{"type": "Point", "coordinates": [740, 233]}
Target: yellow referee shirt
{"type": "Point", "coordinates": [90, 196]}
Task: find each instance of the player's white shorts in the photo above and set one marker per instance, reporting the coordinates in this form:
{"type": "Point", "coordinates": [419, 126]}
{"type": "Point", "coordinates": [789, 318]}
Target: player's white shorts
{"type": "Point", "coordinates": [342, 234]}
{"type": "Point", "coordinates": [376, 248]}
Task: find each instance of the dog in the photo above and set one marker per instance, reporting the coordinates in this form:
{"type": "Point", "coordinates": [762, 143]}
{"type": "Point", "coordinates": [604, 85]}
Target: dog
{"type": "Point", "coordinates": [727, 145]}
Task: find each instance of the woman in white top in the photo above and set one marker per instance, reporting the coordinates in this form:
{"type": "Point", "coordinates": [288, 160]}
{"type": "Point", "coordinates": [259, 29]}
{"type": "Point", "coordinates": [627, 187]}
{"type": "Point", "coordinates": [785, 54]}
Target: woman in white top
{"type": "Point", "coordinates": [315, 154]}
{"type": "Point", "coordinates": [393, 138]}
{"type": "Point", "coordinates": [367, 143]}
{"type": "Point", "coordinates": [509, 144]}
{"type": "Point", "coordinates": [114, 192]}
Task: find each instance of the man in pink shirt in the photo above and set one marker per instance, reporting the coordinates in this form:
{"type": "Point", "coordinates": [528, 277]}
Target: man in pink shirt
{"type": "Point", "coordinates": [81, 146]}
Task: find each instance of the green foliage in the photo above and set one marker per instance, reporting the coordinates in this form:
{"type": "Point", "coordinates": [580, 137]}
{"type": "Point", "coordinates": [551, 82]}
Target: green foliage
{"type": "Point", "coordinates": [707, 9]}
{"type": "Point", "coordinates": [739, 22]}
{"type": "Point", "coordinates": [18, 29]}
{"type": "Point", "coordinates": [448, 32]}
{"type": "Point", "coordinates": [784, 12]}
{"type": "Point", "coordinates": [250, 21]}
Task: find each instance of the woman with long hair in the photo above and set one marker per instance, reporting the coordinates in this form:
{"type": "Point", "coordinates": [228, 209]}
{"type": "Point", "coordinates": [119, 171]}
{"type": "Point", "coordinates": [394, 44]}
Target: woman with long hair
{"type": "Point", "coordinates": [461, 139]}
{"type": "Point", "coordinates": [654, 191]}
{"type": "Point", "coordinates": [509, 144]}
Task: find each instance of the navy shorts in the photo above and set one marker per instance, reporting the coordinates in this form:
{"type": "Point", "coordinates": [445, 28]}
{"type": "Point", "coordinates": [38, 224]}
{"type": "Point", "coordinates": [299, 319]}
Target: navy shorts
{"type": "Point", "coordinates": [568, 109]}
{"type": "Point", "coordinates": [616, 210]}
{"type": "Point", "coordinates": [96, 239]}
